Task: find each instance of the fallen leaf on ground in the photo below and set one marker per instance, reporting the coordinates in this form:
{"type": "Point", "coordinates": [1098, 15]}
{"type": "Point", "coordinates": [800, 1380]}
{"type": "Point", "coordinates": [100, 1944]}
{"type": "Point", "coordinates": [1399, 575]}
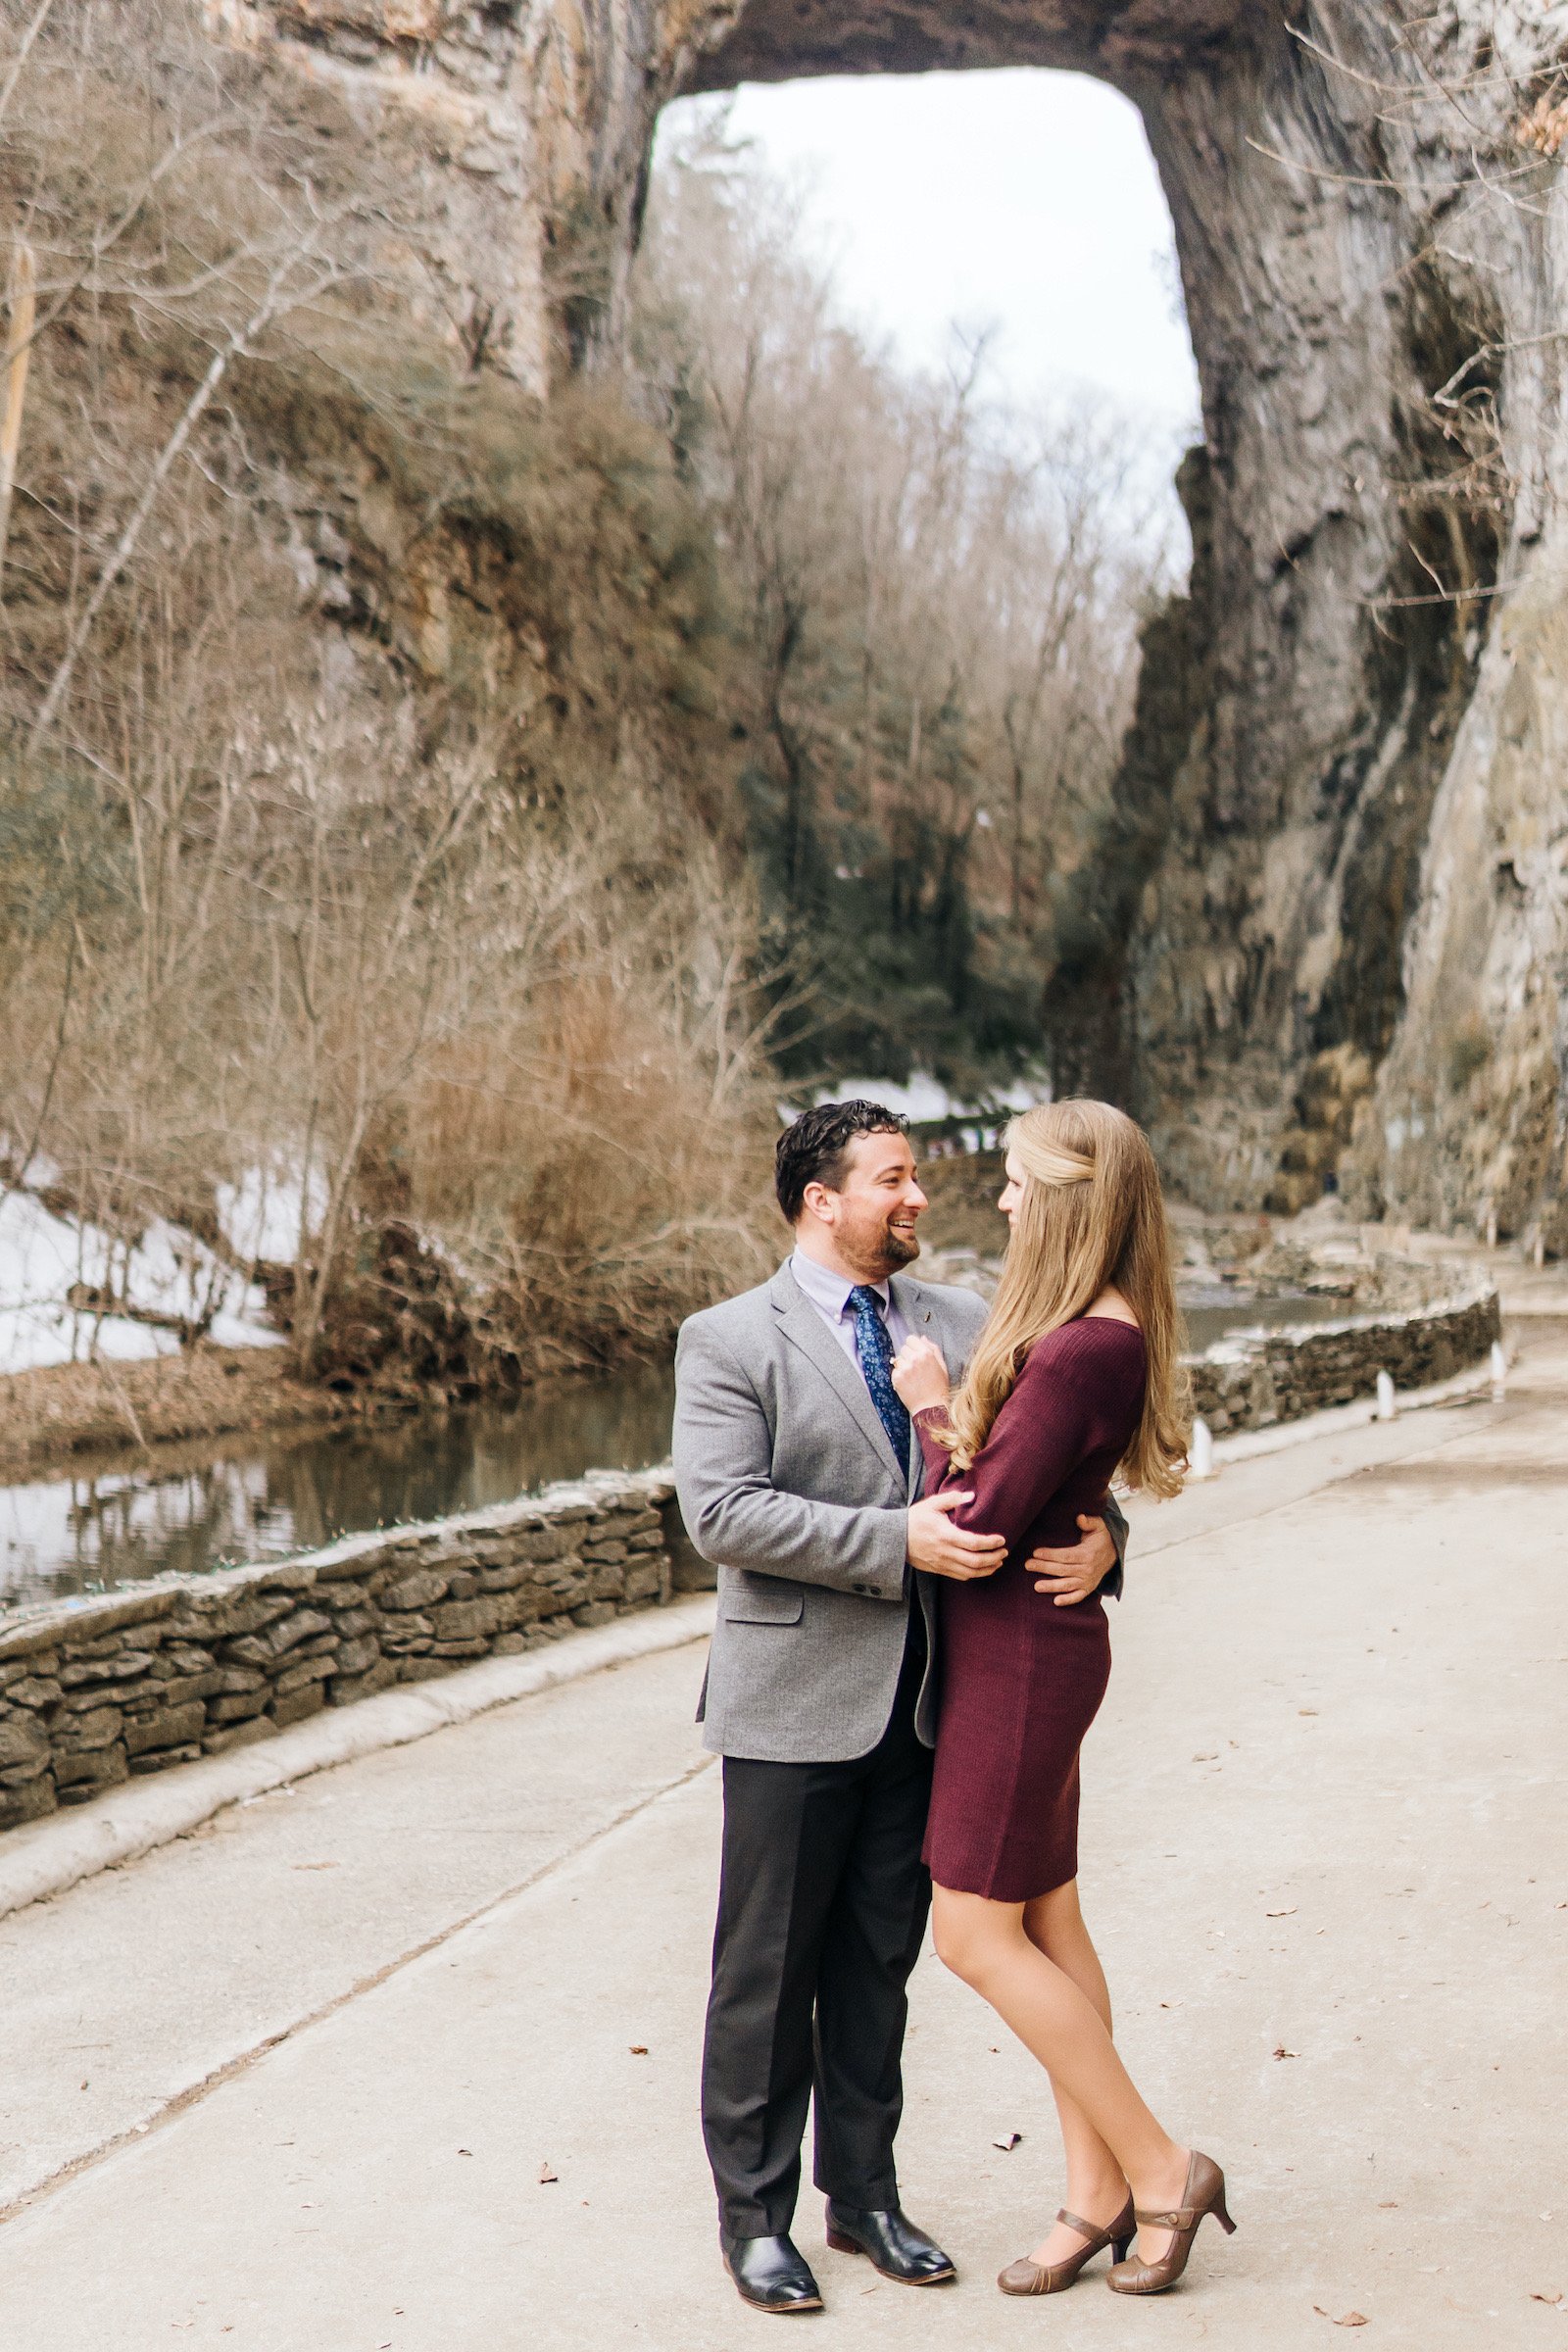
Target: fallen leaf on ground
{"type": "Point", "coordinates": [545, 2173]}
{"type": "Point", "coordinates": [1388, 2205]}
{"type": "Point", "coordinates": [1289, 1913]}
{"type": "Point", "coordinates": [1209, 1756]}
{"type": "Point", "coordinates": [639, 2049]}
{"type": "Point", "coordinates": [1536, 2298]}
{"type": "Point", "coordinates": [1007, 2141]}
{"type": "Point", "coordinates": [1283, 2052]}
{"type": "Point", "coordinates": [1313, 1711]}
{"type": "Point", "coordinates": [1351, 2318]}
{"type": "Point", "coordinates": [465, 2152]}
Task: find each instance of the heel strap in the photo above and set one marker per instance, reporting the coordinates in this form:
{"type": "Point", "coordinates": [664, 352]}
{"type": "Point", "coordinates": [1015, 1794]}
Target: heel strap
{"type": "Point", "coordinates": [1182, 2219]}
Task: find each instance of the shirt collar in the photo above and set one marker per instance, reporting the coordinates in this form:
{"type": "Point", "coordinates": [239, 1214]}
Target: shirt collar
{"type": "Point", "coordinates": [828, 1291]}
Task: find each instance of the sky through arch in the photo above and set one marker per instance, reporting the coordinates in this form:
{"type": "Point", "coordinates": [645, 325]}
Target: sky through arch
{"type": "Point", "coordinates": [1025, 201]}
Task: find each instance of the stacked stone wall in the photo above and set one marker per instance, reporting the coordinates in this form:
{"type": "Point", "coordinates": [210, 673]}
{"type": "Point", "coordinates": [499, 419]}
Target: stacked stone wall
{"type": "Point", "coordinates": [95, 1692]}
{"type": "Point", "coordinates": [1252, 1380]}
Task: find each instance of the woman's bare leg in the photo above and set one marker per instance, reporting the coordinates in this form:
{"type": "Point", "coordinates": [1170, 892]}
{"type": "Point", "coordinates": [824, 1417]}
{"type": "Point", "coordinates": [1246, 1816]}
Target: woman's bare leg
{"type": "Point", "coordinates": [986, 1944]}
{"type": "Point", "coordinates": [1096, 2186]}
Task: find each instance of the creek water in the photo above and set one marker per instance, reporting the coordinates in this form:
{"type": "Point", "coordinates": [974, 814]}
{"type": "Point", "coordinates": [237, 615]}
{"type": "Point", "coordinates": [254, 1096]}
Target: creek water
{"type": "Point", "coordinates": [207, 1504]}
{"type": "Point", "coordinates": [254, 1498]}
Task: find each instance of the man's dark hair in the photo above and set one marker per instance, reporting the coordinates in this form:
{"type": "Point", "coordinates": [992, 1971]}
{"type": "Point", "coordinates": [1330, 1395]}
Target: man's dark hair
{"type": "Point", "coordinates": [814, 1150]}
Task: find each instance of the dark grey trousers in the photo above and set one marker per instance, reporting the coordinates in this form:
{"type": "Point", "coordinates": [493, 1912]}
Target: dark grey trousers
{"type": "Point", "coordinates": [822, 1906]}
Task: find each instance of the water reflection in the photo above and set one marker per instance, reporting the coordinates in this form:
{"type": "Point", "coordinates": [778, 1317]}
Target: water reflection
{"type": "Point", "coordinates": [260, 1497]}
{"type": "Point", "coordinates": [1210, 1314]}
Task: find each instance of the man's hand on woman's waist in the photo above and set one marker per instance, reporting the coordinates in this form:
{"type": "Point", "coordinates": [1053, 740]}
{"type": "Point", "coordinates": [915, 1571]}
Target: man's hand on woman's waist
{"type": "Point", "coordinates": [943, 1550]}
{"type": "Point", "coordinates": [1072, 1572]}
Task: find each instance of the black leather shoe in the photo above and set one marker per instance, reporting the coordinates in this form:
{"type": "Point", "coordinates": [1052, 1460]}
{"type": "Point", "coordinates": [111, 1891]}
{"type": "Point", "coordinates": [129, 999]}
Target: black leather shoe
{"type": "Point", "coordinates": [891, 2243]}
{"type": "Point", "coordinates": [770, 2273]}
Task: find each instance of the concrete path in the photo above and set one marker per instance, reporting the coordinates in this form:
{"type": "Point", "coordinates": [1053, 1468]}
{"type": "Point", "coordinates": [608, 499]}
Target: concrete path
{"type": "Point", "coordinates": [290, 2084]}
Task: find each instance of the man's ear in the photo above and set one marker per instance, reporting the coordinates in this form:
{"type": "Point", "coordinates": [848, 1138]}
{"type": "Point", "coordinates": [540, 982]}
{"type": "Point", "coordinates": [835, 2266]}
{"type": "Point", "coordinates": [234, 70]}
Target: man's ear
{"type": "Point", "coordinates": [814, 1200]}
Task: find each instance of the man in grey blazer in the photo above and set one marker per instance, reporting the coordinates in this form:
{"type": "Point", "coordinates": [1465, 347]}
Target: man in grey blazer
{"type": "Point", "coordinates": [798, 1476]}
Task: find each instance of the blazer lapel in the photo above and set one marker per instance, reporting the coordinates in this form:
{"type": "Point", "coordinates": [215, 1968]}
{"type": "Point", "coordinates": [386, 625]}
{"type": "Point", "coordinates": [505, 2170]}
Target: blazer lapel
{"type": "Point", "coordinates": [920, 1311]}
{"type": "Point", "coordinates": [805, 1327]}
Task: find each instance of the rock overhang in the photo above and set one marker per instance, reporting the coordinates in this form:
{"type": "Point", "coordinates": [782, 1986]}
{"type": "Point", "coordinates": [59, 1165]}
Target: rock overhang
{"type": "Point", "coordinates": [783, 40]}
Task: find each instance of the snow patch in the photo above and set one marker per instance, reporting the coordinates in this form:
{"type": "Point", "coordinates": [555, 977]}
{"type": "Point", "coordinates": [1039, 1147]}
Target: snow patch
{"type": "Point", "coordinates": [166, 1271]}
{"type": "Point", "coordinates": [260, 1216]}
{"type": "Point", "coordinates": [925, 1098]}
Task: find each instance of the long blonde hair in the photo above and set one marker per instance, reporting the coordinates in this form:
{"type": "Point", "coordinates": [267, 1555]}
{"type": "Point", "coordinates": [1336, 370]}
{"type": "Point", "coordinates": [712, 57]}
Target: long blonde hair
{"type": "Point", "coordinates": [1092, 1214]}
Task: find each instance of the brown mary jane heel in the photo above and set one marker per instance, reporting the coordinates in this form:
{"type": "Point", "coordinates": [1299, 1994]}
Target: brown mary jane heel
{"type": "Point", "coordinates": [1037, 2279]}
{"type": "Point", "coordinates": [1204, 2193]}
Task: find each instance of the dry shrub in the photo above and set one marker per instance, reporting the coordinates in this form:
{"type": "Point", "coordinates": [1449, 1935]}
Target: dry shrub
{"type": "Point", "coordinates": [595, 1179]}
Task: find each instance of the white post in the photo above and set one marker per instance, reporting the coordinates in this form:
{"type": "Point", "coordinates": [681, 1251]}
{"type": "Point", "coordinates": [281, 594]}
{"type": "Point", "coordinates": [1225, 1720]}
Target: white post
{"type": "Point", "coordinates": [1200, 1454]}
{"type": "Point", "coordinates": [1386, 1406]}
{"type": "Point", "coordinates": [1500, 1373]}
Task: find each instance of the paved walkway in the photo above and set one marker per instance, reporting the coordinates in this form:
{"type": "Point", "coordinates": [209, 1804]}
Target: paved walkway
{"type": "Point", "coordinates": [290, 2084]}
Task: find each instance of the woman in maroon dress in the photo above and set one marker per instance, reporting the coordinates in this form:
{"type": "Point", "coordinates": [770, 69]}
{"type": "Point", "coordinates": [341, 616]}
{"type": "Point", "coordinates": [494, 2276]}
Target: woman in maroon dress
{"type": "Point", "coordinates": [1074, 1377]}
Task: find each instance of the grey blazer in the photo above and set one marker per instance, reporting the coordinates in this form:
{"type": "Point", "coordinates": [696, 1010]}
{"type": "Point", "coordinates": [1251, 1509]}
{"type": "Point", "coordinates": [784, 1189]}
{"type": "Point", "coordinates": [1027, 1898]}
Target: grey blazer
{"type": "Point", "coordinates": [788, 1482]}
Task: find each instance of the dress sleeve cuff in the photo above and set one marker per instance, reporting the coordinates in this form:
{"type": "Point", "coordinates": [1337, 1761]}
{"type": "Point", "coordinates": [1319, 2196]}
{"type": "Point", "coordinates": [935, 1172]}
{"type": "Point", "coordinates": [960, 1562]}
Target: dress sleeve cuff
{"type": "Point", "coordinates": [928, 1421]}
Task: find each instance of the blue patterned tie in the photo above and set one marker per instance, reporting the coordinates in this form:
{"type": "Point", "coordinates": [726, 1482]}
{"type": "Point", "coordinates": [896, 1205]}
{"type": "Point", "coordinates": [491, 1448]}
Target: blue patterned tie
{"type": "Point", "coordinates": [875, 1351]}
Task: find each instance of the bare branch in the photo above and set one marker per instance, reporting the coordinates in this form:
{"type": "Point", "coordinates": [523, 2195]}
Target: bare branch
{"type": "Point", "coordinates": [237, 344]}
{"type": "Point", "coordinates": [35, 25]}
{"type": "Point", "coordinates": [20, 318]}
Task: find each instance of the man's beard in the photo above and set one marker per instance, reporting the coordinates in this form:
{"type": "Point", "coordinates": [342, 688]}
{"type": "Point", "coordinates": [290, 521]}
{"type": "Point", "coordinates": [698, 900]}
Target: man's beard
{"type": "Point", "coordinates": [876, 1255]}
{"type": "Point", "coordinates": [900, 1248]}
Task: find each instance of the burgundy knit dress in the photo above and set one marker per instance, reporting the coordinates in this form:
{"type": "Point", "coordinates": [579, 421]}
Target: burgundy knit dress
{"type": "Point", "coordinates": [1022, 1680]}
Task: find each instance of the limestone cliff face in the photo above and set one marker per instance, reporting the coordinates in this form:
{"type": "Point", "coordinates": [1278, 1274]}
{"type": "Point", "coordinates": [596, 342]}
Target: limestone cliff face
{"type": "Point", "coordinates": [1322, 978]}
{"type": "Point", "coordinates": [1335, 919]}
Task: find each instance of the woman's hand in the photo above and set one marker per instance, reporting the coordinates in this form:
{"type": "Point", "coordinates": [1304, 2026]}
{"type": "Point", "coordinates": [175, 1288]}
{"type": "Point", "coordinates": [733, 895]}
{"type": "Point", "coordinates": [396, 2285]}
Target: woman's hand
{"type": "Point", "coordinates": [920, 1375]}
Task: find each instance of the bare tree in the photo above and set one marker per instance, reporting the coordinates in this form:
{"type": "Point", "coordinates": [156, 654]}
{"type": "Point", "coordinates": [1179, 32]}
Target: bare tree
{"type": "Point", "coordinates": [22, 313]}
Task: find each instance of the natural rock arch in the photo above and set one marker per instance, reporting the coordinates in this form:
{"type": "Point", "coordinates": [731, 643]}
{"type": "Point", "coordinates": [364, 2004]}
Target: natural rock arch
{"type": "Point", "coordinates": [1331, 935]}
